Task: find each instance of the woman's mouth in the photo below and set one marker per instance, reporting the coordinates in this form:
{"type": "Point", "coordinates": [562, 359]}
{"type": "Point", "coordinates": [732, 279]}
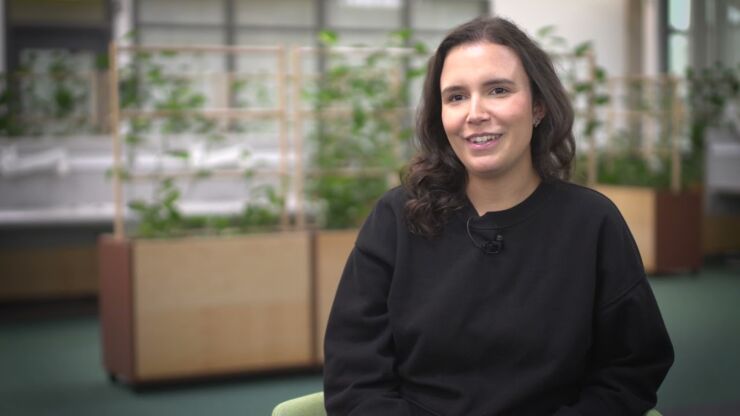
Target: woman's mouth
{"type": "Point", "coordinates": [483, 141]}
{"type": "Point", "coordinates": [484, 138]}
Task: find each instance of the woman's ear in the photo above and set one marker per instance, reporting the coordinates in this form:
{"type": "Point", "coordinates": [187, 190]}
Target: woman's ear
{"type": "Point", "coordinates": [538, 113]}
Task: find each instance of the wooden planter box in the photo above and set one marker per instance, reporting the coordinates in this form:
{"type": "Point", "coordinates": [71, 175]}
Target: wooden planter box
{"type": "Point", "coordinates": [331, 249]}
{"type": "Point", "coordinates": [721, 235]}
{"type": "Point", "coordinates": [193, 307]}
{"type": "Point", "coordinates": [666, 226]}
{"type": "Point", "coordinates": [43, 273]}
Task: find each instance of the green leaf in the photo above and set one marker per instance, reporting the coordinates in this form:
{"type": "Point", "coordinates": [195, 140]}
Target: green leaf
{"type": "Point", "coordinates": [129, 35]}
{"type": "Point", "coordinates": [203, 173]}
{"type": "Point", "coordinates": [143, 56]}
{"type": "Point", "coordinates": [591, 127]}
{"type": "Point", "coordinates": [122, 173]}
{"type": "Point", "coordinates": [402, 35]}
{"type": "Point", "coordinates": [582, 49]}
{"type": "Point", "coordinates": [545, 31]}
{"type": "Point", "coordinates": [171, 197]}
{"type": "Point", "coordinates": [180, 154]}
{"type": "Point", "coordinates": [328, 37]}
{"type": "Point", "coordinates": [602, 99]}
{"type": "Point", "coordinates": [600, 74]}
{"type": "Point", "coordinates": [416, 72]}
{"type": "Point", "coordinates": [196, 100]}
{"type": "Point", "coordinates": [583, 86]}
{"type": "Point", "coordinates": [133, 139]}
{"type": "Point", "coordinates": [138, 205]}
{"type": "Point", "coordinates": [558, 41]}
{"type": "Point", "coordinates": [101, 61]}
{"type": "Point", "coordinates": [216, 138]}
{"type": "Point", "coordinates": [420, 48]}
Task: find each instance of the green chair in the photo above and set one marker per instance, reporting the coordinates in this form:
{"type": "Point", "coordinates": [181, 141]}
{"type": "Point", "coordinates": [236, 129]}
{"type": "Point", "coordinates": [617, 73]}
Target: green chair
{"type": "Point", "coordinates": [310, 405]}
{"type": "Point", "coordinates": [313, 405]}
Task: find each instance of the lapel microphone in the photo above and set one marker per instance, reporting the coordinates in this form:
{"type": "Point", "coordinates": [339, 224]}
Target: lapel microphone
{"type": "Point", "coordinates": [494, 246]}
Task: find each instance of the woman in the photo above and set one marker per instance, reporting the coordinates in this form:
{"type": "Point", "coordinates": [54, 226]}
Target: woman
{"type": "Point", "coordinates": [487, 284]}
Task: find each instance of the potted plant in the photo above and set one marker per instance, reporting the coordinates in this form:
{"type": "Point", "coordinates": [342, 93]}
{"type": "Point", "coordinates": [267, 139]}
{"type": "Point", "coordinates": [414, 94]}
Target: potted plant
{"type": "Point", "coordinates": [357, 148]}
{"type": "Point", "coordinates": [640, 168]}
{"type": "Point", "coordinates": [192, 296]}
{"type": "Point", "coordinates": [714, 99]}
{"type": "Point", "coordinates": [629, 132]}
{"type": "Point", "coordinates": [43, 103]}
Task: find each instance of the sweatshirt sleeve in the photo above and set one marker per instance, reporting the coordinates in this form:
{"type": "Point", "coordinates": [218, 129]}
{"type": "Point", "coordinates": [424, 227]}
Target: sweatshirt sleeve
{"type": "Point", "coordinates": [359, 367]}
{"type": "Point", "coordinates": [631, 351]}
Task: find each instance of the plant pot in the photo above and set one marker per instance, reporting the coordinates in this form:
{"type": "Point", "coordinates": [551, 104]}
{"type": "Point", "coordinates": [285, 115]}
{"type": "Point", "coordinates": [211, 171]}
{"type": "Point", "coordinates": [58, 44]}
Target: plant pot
{"type": "Point", "coordinates": [194, 307]}
{"type": "Point", "coordinates": [48, 273]}
{"type": "Point", "coordinates": [721, 235]}
{"type": "Point", "coordinates": [666, 225]}
{"type": "Point", "coordinates": [332, 247]}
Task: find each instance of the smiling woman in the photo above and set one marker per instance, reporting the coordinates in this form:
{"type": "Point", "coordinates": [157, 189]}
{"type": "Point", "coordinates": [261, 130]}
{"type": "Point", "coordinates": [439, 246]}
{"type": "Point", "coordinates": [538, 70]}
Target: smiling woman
{"type": "Point", "coordinates": [488, 115]}
{"type": "Point", "coordinates": [488, 284]}
{"type": "Point", "coordinates": [511, 66]}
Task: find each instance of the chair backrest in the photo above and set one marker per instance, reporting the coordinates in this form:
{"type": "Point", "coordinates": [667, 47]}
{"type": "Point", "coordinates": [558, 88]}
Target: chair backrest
{"type": "Point", "coordinates": [310, 405]}
{"type": "Point", "coordinates": [313, 405]}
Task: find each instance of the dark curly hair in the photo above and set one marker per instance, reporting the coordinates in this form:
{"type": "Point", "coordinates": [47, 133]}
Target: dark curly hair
{"type": "Point", "coordinates": [435, 178]}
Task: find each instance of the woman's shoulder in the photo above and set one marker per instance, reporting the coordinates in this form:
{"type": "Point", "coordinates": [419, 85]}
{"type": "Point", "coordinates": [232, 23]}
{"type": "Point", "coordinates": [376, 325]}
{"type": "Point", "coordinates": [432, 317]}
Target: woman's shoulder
{"type": "Point", "coordinates": [584, 199]}
{"type": "Point", "coordinates": [394, 198]}
{"type": "Point", "coordinates": [389, 207]}
{"type": "Point", "coordinates": [382, 226]}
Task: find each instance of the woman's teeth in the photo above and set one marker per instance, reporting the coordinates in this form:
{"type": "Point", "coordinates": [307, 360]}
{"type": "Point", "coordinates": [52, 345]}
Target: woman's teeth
{"type": "Point", "coordinates": [484, 139]}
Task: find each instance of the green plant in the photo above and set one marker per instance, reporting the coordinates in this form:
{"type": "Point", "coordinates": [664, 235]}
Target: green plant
{"type": "Point", "coordinates": [585, 82]}
{"type": "Point", "coordinates": [51, 95]}
{"type": "Point", "coordinates": [362, 130]}
{"type": "Point", "coordinates": [9, 124]}
{"type": "Point", "coordinates": [619, 157]}
{"type": "Point", "coordinates": [712, 93]}
{"type": "Point", "coordinates": [148, 83]}
{"type": "Point", "coordinates": [161, 217]}
{"type": "Point", "coordinates": [633, 169]}
{"type": "Point", "coordinates": [582, 77]}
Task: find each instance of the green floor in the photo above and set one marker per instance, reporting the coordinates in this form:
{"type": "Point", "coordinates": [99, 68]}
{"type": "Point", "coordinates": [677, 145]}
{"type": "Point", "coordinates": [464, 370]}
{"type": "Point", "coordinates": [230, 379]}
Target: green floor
{"type": "Point", "coordinates": [52, 367]}
{"type": "Point", "coordinates": [702, 314]}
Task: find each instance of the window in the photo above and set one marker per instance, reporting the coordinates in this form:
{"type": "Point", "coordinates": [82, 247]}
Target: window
{"type": "Point", "coordinates": [679, 18]}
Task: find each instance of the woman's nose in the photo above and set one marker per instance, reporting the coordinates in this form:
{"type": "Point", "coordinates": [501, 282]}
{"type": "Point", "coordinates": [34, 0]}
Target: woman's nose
{"type": "Point", "coordinates": [477, 112]}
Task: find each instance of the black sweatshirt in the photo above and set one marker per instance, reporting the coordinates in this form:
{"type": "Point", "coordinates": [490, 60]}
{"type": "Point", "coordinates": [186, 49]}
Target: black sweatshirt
{"type": "Point", "coordinates": [561, 321]}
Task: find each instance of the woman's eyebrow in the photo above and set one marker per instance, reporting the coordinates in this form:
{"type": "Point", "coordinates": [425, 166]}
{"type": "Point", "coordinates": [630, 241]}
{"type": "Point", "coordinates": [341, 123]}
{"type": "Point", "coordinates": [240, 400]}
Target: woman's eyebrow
{"type": "Point", "coordinates": [498, 81]}
{"type": "Point", "coordinates": [452, 88]}
{"type": "Point", "coordinates": [489, 83]}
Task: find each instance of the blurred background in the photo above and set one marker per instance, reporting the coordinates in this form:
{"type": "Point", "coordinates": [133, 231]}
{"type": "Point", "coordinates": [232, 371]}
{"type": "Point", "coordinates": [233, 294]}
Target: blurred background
{"type": "Point", "coordinates": [182, 181]}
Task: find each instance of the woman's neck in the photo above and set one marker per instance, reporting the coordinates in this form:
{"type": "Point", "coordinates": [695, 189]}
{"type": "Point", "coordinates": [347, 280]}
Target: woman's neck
{"type": "Point", "coordinates": [498, 194]}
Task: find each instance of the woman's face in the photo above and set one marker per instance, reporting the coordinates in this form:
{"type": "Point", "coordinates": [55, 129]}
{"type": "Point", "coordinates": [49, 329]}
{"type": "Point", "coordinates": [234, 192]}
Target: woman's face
{"type": "Point", "coordinates": [487, 110]}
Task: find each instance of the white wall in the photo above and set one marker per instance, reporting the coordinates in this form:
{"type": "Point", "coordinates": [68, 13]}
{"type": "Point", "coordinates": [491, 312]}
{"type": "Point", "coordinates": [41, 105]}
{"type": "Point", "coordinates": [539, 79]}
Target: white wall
{"type": "Point", "coordinates": [122, 21]}
{"type": "Point", "coordinates": [652, 48]}
{"type": "Point", "coordinates": [602, 21]}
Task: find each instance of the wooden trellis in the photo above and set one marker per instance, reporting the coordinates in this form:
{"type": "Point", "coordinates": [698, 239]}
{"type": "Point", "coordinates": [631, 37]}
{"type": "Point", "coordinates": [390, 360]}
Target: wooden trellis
{"type": "Point", "coordinates": [278, 112]}
{"type": "Point", "coordinates": [660, 107]}
{"type": "Point", "coordinates": [665, 108]}
{"type": "Point", "coordinates": [301, 114]}
{"type": "Point", "coordinates": [291, 112]}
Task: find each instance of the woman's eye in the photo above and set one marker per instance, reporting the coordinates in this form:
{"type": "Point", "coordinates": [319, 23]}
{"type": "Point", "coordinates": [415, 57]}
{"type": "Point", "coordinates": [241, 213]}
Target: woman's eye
{"type": "Point", "coordinates": [498, 91]}
{"type": "Point", "coordinates": [455, 97]}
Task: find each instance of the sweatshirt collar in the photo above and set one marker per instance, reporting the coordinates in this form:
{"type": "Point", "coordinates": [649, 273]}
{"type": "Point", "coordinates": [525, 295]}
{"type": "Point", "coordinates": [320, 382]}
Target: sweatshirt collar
{"type": "Point", "coordinates": [508, 217]}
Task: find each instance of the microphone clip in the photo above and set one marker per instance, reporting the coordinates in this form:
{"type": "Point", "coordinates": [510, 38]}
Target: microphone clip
{"type": "Point", "coordinates": [494, 246]}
